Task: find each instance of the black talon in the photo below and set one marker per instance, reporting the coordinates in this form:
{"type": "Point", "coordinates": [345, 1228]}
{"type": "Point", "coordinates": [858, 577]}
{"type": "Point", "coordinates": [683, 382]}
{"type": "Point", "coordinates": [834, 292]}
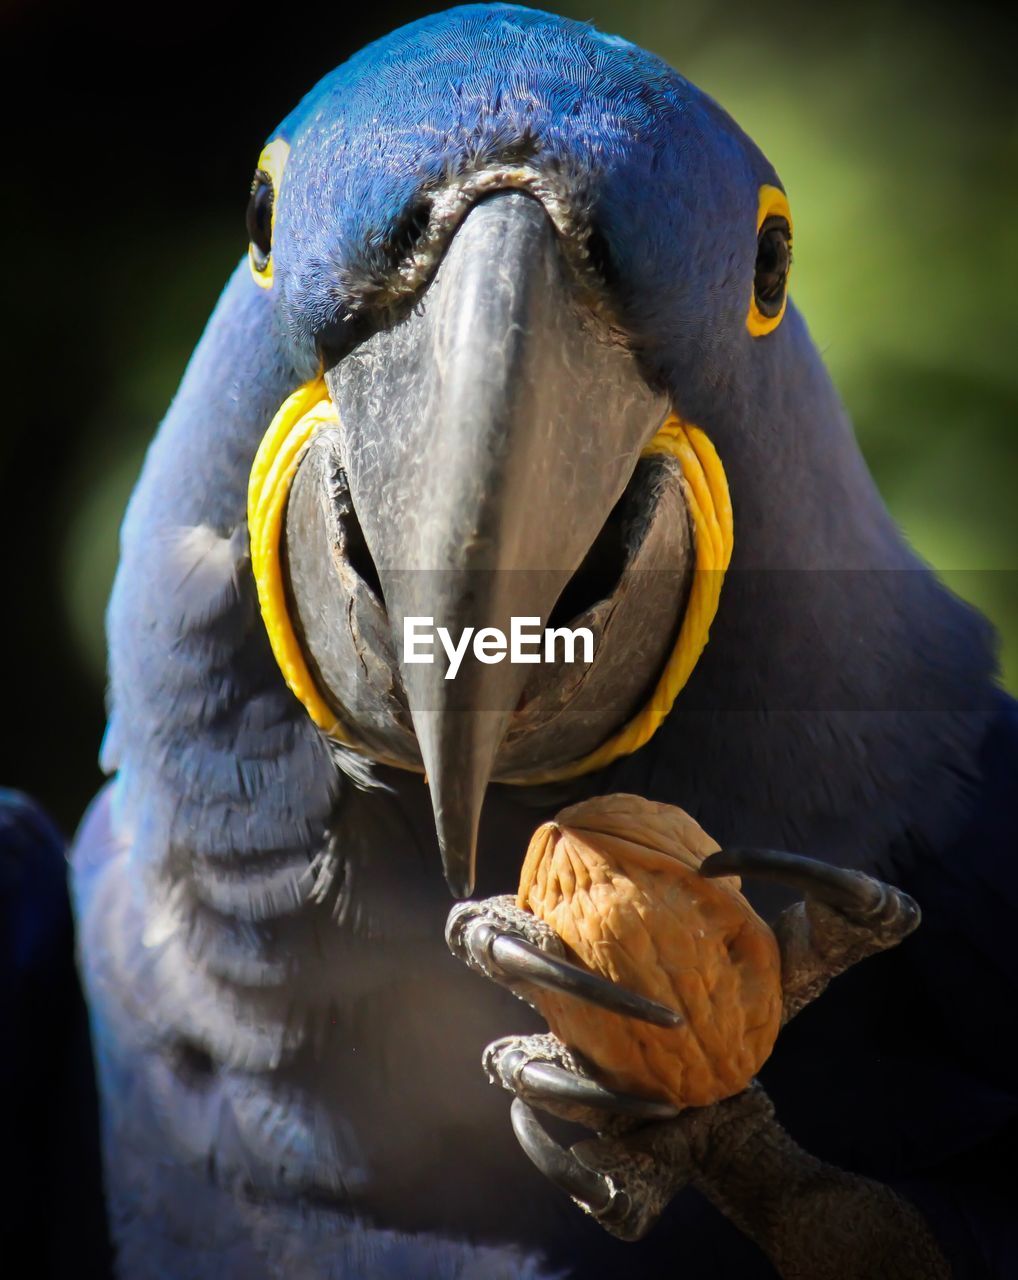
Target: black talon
{"type": "Point", "coordinates": [545, 1081]}
{"type": "Point", "coordinates": [520, 961]}
{"type": "Point", "coordinates": [851, 891]}
{"type": "Point", "coordinates": [557, 1164]}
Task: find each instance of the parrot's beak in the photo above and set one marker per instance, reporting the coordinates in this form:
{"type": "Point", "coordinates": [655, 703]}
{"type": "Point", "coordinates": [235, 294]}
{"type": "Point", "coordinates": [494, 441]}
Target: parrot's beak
{"type": "Point", "coordinates": [485, 439]}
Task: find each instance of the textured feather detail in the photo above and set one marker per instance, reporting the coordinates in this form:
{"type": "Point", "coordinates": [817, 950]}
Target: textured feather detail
{"type": "Point", "coordinates": [203, 573]}
{"type": "Point", "coordinates": [239, 951]}
{"type": "Point", "coordinates": [259, 889]}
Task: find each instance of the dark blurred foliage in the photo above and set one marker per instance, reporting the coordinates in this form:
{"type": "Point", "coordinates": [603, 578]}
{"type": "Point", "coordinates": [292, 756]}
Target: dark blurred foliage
{"type": "Point", "coordinates": [129, 141]}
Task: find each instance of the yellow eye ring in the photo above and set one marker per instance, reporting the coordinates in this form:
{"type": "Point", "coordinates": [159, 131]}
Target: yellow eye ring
{"type": "Point", "coordinates": [269, 173]}
{"type": "Point", "coordinates": [773, 221]}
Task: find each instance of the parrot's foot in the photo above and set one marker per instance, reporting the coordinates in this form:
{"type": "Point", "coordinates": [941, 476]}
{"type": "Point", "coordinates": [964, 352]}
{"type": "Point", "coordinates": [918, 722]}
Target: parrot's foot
{"type": "Point", "coordinates": [644, 1151]}
{"type": "Point", "coordinates": [845, 917]}
{"type": "Point", "coordinates": [514, 948]}
{"type": "Point", "coordinates": [624, 1190]}
{"type": "Point", "coordinates": [624, 1177]}
{"type": "Point", "coordinates": [624, 1183]}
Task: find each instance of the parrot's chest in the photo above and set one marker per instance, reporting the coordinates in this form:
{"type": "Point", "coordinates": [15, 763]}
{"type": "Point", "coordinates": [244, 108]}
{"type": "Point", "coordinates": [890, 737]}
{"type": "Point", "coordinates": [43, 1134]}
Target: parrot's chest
{"type": "Point", "coordinates": [376, 1135]}
{"type": "Point", "coordinates": [378, 1115]}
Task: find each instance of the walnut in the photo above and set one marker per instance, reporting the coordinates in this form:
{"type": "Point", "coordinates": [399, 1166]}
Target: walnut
{"type": "Point", "coordinates": [617, 878]}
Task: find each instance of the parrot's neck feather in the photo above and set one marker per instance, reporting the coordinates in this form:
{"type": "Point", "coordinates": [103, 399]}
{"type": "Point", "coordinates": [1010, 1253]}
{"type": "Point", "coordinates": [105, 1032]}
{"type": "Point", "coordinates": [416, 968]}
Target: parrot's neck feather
{"type": "Point", "coordinates": [844, 692]}
{"type": "Point", "coordinates": [225, 790]}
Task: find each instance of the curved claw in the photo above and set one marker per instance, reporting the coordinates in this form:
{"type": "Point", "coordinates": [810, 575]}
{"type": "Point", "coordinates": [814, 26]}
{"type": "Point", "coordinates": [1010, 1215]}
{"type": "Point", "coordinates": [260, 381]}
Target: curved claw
{"type": "Point", "coordinates": [850, 891]}
{"type": "Point", "coordinates": [558, 1165]}
{"type": "Point", "coordinates": [545, 1082]}
{"type": "Point", "coordinates": [517, 960]}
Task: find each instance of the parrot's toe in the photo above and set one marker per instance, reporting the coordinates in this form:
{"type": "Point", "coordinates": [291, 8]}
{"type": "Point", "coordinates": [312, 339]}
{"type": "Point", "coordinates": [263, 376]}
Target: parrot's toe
{"type": "Point", "coordinates": [545, 1073]}
{"type": "Point", "coordinates": [590, 1189]}
{"type": "Point", "coordinates": [623, 1177]}
{"type": "Point", "coordinates": [624, 1181]}
{"type": "Point", "coordinates": [511, 947]}
{"type": "Point", "coordinates": [862, 899]}
{"type": "Point", "coordinates": [626, 1174]}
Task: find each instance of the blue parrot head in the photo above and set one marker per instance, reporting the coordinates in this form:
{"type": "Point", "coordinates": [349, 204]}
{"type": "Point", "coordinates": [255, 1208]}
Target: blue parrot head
{"type": "Point", "coordinates": [529, 278]}
{"type": "Point", "coordinates": [649, 178]}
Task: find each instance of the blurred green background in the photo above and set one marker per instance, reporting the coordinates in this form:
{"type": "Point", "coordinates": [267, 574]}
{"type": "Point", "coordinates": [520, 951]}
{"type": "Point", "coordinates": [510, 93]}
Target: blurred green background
{"type": "Point", "coordinates": [895, 130]}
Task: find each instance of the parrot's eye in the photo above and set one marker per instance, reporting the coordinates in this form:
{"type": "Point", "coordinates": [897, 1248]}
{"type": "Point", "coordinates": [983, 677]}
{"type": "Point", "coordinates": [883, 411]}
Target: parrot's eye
{"type": "Point", "coordinates": [773, 259]}
{"type": "Point", "coordinates": [261, 210]}
{"type": "Point", "coordinates": [773, 262]}
{"type": "Point", "coordinates": [259, 220]}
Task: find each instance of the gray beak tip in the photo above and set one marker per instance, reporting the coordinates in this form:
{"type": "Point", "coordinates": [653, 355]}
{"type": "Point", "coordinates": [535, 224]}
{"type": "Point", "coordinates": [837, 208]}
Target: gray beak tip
{"type": "Point", "coordinates": [457, 843]}
{"type": "Point", "coordinates": [459, 880]}
{"type": "Point", "coordinates": [458, 748]}
{"type": "Point", "coordinates": [459, 858]}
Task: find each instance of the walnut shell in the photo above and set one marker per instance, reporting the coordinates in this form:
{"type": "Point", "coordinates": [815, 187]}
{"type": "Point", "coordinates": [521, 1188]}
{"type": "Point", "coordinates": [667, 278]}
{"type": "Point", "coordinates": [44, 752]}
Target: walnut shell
{"type": "Point", "coordinates": [617, 878]}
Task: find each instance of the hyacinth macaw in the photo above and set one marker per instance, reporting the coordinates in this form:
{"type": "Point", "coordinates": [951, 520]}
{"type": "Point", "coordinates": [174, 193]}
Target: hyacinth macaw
{"type": "Point", "coordinates": [512, 340]}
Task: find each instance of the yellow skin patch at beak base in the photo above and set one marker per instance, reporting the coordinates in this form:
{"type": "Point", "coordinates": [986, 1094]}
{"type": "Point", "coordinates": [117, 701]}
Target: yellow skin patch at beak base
{"type": "Point", "coordinates": [272, 472]}
{"type": "Point", "coordinates": [271, 161]}
{"type": "Point", "coordinates": [710, 510]}
{"type": "Point", "coordinates": [773, 203]}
